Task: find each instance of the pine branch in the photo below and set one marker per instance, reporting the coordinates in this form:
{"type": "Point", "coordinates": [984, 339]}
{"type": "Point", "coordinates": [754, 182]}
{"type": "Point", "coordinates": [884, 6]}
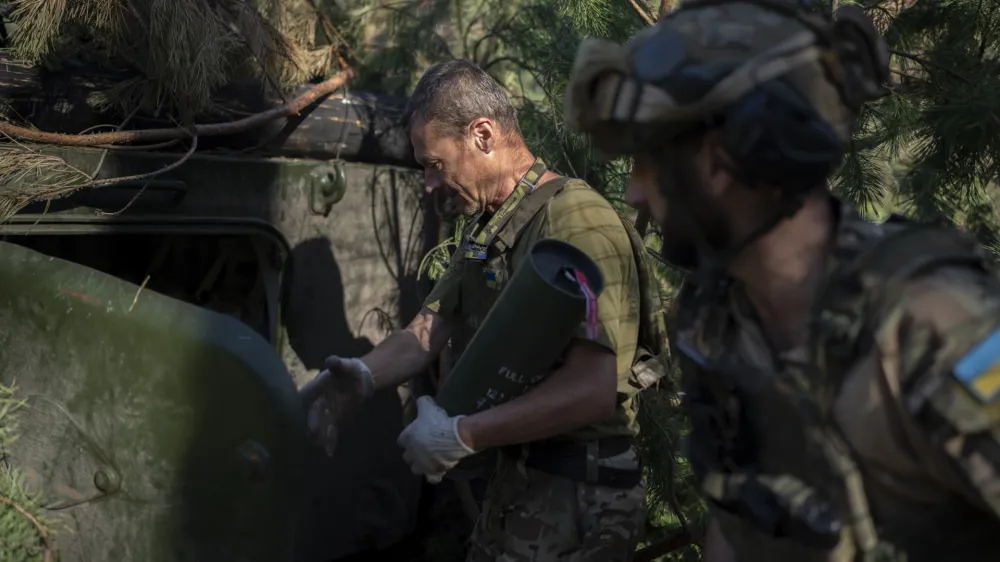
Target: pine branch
{"type": "Point", "coordinates": [642, 13]}
{"type": "Point", "coordinates": [159, 135]}
{"type": "Point", "coordinates": [930, 65]}
{"type": "Point", "coordinates": [43, 533]}
{"type": "Point", "coordinates": [25, 533]}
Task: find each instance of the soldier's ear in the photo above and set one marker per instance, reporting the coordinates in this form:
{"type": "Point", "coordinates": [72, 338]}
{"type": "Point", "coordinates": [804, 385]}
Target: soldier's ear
{"type": "Point", "coordinates": [715, 165]}
{"type": "Point", "coordinates": [483, 135]}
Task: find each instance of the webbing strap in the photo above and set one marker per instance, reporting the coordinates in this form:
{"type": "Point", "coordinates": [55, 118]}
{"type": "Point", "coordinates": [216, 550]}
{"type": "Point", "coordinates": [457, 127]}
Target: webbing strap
{"type": "Point", "coordinates": [476, 244]}
{"type": "Point", "coordinates": [652, 326]}
{"type": "Point", "coordinates": [651, 360]}
{"type": "Point", "coordinates": [526, 212]}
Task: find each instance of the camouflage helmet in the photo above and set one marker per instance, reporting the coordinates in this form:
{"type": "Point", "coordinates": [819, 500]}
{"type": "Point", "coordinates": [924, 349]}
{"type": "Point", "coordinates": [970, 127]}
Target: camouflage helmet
{"type": "Point", "coordinates": [708, 56]}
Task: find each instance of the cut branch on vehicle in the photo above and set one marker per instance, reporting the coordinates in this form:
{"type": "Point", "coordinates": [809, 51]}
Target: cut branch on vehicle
{"type": "Point", "coordinates": [290, 109]}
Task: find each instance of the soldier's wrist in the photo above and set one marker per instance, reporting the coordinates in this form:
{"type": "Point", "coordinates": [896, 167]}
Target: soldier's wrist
{"type": "Point", "coordinates": [463, 434]}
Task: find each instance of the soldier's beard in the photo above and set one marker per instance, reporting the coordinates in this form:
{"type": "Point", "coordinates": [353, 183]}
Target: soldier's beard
{"type": "Point", "coordinates": [455, 206]}
{"type": "Point", "coordinates": [456, 203]}
{"type": "Point", "coordinates": [690, 215]}
{"type": "Point", "coordinates": [471, 210]}
{"type": "Point", "coordinates": [449, 204]}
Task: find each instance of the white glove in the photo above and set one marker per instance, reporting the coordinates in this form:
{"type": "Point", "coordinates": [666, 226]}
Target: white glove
{"type": "Point", "coordinates": [339, 389]}
{"type": "Point", "coordinates": [431, 443]}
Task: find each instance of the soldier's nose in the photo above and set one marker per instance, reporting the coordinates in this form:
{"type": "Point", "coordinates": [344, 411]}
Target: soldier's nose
{"type": "Point", "coordinates": [431, 182]}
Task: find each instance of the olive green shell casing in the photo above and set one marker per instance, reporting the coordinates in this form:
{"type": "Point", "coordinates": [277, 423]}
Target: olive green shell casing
{"type": "Point", "coordinates": [527, 330]}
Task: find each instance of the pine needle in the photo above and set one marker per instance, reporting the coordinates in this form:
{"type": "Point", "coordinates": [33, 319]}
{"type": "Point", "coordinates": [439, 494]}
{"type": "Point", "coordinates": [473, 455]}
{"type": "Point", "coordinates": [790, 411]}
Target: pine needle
{"type": "Point", "coordinates": [178, 52]}
{"type": "Point", "coordinates": [25, 534]}
{"type": "Point", "coordinates": [27, 176]}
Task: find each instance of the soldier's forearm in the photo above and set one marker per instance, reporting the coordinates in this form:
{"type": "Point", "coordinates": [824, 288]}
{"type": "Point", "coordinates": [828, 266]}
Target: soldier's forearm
{"type": "Point", "coordinates": [397, 359]}
{"type": "Point", "coordinates": [408, 352]}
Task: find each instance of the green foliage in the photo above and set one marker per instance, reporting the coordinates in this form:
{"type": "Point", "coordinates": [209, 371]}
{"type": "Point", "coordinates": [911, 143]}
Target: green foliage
{"type": "Point", "coordinates": [8, 422]}
{"type": "Point", "coordinates": [528, 46]}
{"type": "Point", "coordinates": [930, 148]}
{"type": "Point", "coordinates": [673, 501]}
{"type": "Point", "coordinates": [434, 264]}
{"type": "Point", "coordinates": [24, 533]}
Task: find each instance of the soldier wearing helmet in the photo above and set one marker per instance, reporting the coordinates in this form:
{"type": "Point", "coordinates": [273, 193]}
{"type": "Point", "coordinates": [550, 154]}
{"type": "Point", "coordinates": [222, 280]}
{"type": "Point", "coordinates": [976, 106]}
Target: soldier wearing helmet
{"type": "Point", "coordinates": [842, 377]}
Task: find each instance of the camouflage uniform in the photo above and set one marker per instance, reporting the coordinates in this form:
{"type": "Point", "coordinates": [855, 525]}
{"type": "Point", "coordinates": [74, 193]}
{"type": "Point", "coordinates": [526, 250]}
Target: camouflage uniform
{"type": "Point", "coordinates": [878, 439]}
{"type": "Point", "coordinates": [533, 516]}
{"type": "Point", "coordinates": [870, 421]}
{"type": "Point", "coordinates": [531, 513]}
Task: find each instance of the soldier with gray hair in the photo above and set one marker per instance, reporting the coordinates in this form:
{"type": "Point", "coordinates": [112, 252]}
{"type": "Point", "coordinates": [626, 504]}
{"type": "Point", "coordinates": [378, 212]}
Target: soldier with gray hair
{"type": "Point", "coordinates": [568, 482]}
{"type": "Point", "coordinates": [842, 376]}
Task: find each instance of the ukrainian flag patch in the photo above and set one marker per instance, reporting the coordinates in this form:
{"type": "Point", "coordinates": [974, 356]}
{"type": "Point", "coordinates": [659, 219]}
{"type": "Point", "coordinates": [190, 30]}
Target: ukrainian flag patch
{"type": "Point", "coordinates": [979, 369]}
{"type": "Point", "coordinates": [491, 279]}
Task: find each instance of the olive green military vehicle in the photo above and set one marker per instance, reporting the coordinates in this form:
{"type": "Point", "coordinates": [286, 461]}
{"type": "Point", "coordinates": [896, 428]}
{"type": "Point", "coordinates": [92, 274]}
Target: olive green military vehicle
{"type": "Point", "coordinates": [158, 330]}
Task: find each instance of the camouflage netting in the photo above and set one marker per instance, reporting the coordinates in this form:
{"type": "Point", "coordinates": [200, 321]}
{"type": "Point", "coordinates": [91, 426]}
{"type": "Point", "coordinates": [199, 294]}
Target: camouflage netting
{"type": "Point", "coordinates": [168, 59]}
{"type": "Point", "coordinates": [25, 535]}
{"type": "Point", "coordinates": [27, 175]}
{"type": "Point", "coordinates": [173, 54]}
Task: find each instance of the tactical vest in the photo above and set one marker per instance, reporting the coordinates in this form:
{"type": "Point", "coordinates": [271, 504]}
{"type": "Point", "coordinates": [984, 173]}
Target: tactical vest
{"type": "Point", "coordinates": [781, 479]}
{"type": "Point", "coordinates": [490, 254]}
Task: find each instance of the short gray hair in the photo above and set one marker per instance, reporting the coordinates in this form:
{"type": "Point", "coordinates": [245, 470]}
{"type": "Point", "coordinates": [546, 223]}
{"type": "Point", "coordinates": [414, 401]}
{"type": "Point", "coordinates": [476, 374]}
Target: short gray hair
{"type": "Point", "coordinates": [453, 93]}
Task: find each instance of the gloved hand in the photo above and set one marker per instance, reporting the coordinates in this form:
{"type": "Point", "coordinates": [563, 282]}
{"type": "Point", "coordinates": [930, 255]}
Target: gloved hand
{"type": "Point", "coordinates": [431, 444]}
{"type": "Point", "coordinates": [338, 390]}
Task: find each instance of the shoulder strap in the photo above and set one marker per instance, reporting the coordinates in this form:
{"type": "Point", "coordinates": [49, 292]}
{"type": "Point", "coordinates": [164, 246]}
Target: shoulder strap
{"type": "Point", "coordinates": [652, 326]}
{"type": "Point", "coordinates": [527, 210]}
{"type": "Point", "coordinates": [865, 286]}
{"type": "Point", "coordinates": [651, 358]}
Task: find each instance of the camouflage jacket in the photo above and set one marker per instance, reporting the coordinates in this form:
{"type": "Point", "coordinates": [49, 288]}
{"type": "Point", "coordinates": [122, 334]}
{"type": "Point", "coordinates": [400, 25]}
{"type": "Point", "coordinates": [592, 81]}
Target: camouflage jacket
{"type": "Point", "coordinates": [878, 439]}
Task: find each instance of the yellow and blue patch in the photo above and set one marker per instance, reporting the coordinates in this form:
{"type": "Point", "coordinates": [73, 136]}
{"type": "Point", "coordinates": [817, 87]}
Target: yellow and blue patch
{"type": "Point", "coordinates": [979, 369]}
{"type": "Point", "coordinates": [474, 251]}
{"type": "Point", "coordinates": [491, 279]}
